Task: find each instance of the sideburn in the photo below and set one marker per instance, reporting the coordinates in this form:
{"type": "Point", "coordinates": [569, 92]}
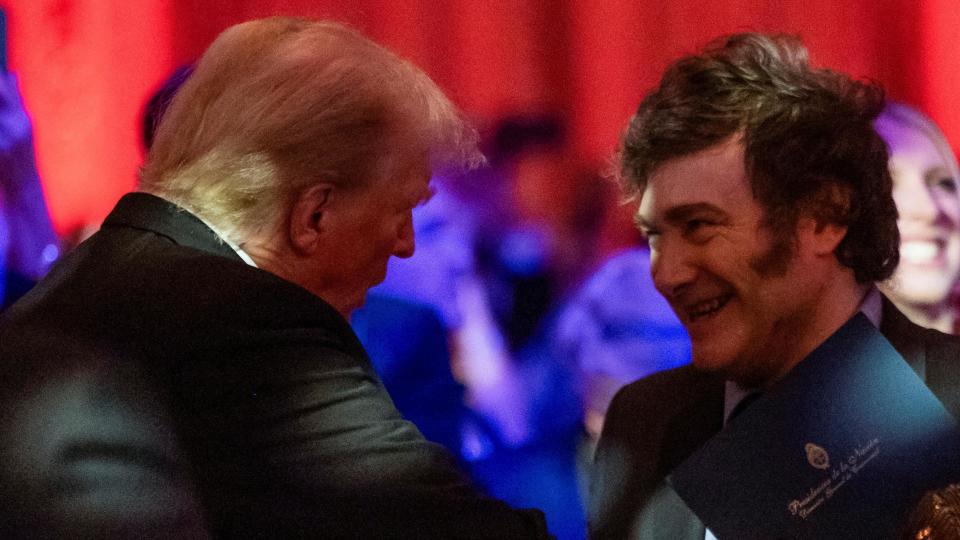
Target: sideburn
{"type": "Point", "coordinates": [775, 261]}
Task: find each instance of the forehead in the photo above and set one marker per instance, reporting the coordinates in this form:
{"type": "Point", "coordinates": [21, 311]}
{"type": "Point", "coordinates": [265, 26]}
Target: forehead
{"type": "Point", "coordinates": [905, 139]}
{"type": "Point", "coordinates": [409, 177]}
{"type": "Point", "coordinates": [714, 177]}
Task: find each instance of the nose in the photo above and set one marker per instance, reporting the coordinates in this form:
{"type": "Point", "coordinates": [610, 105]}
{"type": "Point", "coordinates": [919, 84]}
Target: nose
{"type": "Point", "coordinates": [671, 268]}
{"type": "Point", "coordinates": [405, 243]}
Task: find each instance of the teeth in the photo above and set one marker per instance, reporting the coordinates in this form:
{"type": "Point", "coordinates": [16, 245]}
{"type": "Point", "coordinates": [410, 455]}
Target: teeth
{"type": "Point", "coordinates": [705, 308]}
{"type": "Point", "coordinates": [919, 251]}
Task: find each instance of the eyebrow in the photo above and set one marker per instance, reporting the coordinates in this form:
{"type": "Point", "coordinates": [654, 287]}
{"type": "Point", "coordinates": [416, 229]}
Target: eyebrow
{"type": "Point", "coordinates": [686, 211]}
{"type": "Point", "coordinates": [681, 213]}
{"type": "Point", "coordinates": [425, 196]}
{"type": "Point", "coordinates": [937, 173]}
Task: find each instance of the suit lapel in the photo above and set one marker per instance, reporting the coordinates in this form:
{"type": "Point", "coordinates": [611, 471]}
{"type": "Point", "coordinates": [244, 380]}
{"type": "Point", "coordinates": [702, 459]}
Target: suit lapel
{"type": "Point", "coordinates": [694, 424]}
{"type": "Point", "coordinates": [666, 516]}
{"type": "Point", "coordinates": [905, 338]}
{"type": "Point", "coordinates": [933, 355]}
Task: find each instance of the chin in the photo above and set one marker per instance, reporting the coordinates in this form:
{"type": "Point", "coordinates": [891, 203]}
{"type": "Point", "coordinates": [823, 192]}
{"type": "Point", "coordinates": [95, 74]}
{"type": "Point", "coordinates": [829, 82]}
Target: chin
{"type": "Point", "coordinates": [347, 308]}
{"type": "Point", "coordinates": [920, 297]}
{"type": "Point", "coordinates": [730, 367]}
{"type": "Point", "coordinates": [713, 361]}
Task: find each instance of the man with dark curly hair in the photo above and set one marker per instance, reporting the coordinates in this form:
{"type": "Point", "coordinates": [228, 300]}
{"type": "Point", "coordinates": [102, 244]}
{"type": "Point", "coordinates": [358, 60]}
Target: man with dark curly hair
{"type": "Point", "coordinates": [764, 192]}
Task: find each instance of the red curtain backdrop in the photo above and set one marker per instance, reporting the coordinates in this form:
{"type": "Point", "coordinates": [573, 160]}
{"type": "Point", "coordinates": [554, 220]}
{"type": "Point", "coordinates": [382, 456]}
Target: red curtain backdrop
{"type": "Point", "coordinates": [86, 66]}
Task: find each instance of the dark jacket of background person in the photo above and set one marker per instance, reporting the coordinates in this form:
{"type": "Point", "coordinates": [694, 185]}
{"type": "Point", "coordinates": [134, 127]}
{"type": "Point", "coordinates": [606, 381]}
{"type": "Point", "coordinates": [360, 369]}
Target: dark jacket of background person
{"type": "Point", "coordinates": [260, 412]}
{"type": "Point", "coordinates": [654, 424]}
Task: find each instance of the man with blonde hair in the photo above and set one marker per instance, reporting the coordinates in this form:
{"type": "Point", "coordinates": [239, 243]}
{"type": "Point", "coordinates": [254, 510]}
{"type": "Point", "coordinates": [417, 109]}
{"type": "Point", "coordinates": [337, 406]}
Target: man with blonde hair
{"type": "Point", "coordinates": [189, 371]}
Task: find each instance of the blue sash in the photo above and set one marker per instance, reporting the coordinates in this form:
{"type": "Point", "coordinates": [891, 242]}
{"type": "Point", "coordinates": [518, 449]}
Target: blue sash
{"type": "Point", "coordinates": [843, 446]}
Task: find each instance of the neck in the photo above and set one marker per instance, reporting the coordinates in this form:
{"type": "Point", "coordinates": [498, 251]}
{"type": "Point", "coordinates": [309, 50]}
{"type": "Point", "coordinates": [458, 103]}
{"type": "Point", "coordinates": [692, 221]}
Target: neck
{"type": "Point", "coordinates": [840, 299]}
{"type": "Point", "coordinates": [270, 259]}
{"type": "Point", "coordinates": [299, 272]}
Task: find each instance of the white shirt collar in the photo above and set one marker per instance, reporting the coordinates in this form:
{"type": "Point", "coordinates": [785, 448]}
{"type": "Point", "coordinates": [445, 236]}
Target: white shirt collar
{"type": "Point", "coordinates": [237, 249]}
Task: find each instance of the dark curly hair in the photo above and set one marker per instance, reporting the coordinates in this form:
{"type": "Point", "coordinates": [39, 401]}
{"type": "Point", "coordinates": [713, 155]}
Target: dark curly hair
{"type": "Point", "coordinates": [809, 143]}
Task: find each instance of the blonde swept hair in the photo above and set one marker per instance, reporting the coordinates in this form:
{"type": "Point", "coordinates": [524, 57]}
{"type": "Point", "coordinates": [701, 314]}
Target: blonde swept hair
{"type": "Point", "coordinates": [277, 105]}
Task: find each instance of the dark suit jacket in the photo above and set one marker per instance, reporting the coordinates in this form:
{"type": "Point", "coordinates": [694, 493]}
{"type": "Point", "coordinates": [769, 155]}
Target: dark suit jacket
{"type": "Point", "coordinates": [654, 424]}
{"type": "Point", "coordinates": [154, 384]}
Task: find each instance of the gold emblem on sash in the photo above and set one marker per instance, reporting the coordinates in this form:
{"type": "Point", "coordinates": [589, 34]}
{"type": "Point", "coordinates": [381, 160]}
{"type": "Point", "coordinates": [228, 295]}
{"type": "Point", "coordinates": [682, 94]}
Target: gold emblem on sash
{"type": "Point", "coordinates": [817, 457]}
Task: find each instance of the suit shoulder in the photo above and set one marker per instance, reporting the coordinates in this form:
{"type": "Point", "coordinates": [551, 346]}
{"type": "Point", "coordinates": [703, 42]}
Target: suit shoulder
{"type": "Point", "coordinates": [125, 282]}
{"type": "Point", "coordinates": [942, 369]}
{"type": "Point", "coordinates": [665, 386]}
{"type": "Point", "coordinates": [948, 344]}
{"type": "Point", "coordinates": [642, 410]}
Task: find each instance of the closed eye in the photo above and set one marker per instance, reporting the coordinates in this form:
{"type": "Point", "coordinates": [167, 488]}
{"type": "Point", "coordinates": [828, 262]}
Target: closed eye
{"type": "Point", "coordinates": [946, 183]}
{"type": "Point", "coordinates": [651, 234]}
{"type": "Point", "coordinates": [644, 226]}
{"type": "Point", "coordinates": [693, 225]}
{"type": "Point", "coordinates": [698, 221]}
{"type": "Point", "coordinates": [698, 230]}
{"type": "Point", "coordinates": [647, 231]}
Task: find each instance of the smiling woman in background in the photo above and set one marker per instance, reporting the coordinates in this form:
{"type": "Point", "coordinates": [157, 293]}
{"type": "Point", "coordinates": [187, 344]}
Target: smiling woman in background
{"type": "Point", "coordinates": [925, 174]}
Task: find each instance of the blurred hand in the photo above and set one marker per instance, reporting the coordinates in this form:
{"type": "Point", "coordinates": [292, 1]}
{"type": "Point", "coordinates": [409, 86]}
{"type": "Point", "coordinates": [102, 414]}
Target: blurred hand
{"type": "Point", "coordinates": [17, 162]}
{"type": "Point", "coordinates": [481, 362]}
{"type": "Point", "coordinates": [32, 244]}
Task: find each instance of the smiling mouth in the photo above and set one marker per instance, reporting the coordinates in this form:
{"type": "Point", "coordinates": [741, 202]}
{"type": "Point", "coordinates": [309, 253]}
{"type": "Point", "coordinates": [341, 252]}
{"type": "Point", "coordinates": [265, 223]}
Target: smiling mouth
{"type": "Point", "coordinates": [707, 308]}
{"type": "Point", "coordinates": [920, 251]}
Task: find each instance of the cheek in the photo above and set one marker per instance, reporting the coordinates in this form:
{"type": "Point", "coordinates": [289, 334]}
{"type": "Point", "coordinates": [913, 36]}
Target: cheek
{"type": "Point", "coordinates": [910, 192]}
{"type": "Point", "coordinates": [901, 196]}
{"type": "Point", "coordinates": [949, 205]}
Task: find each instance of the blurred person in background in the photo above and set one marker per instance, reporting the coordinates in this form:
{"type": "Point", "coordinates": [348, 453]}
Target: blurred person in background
{"type": "Point", "coordinates": [498, 248]}
{"type": "Point", "coordinates": [925, 176]}
{"type": "Point", "coordinates": [28, 244]}
{"type": "Point", "coordinates": [486, 271]}
{"type": "Point", "coordinates": [616, 329]}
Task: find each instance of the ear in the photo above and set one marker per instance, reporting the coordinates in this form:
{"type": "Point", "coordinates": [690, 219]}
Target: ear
{"type": "Point", "coordinates": [820, 217]}
{"type": "Point", "coordinates": [821, 238]}
{"type": "Point", "coordinates": [306, 218]}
